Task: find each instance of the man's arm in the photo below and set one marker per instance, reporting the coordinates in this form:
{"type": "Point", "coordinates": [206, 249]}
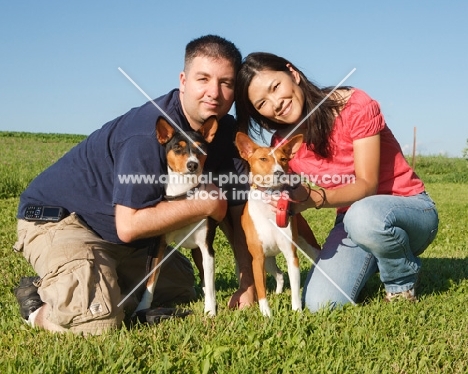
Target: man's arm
{"type": "Point", "coordinates": [133, 224]}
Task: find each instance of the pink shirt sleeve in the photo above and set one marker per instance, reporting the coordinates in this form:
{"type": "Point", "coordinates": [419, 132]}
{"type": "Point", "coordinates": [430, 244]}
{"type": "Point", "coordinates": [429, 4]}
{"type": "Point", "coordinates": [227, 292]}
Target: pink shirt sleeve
{"type": "Point", "coordinates": [363, 115]}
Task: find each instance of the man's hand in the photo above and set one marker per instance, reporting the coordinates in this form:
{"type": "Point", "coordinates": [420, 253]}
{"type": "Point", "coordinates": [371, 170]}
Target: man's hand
{"type": "Point", "coordinates": [242, 298]}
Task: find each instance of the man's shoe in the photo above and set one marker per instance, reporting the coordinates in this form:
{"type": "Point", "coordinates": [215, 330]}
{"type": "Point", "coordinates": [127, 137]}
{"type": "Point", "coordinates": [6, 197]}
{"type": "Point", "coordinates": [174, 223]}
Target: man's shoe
{"type": "Point", "coordinates": [27, 296]}
{"type": "Point", "coordinates": [156, 315]}
{"type": "Point", "coordinates": [409, 295]}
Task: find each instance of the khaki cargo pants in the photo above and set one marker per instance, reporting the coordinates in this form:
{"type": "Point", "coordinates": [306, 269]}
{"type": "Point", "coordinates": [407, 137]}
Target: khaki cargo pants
{"type": "Point", "coordinates": [84, 278]}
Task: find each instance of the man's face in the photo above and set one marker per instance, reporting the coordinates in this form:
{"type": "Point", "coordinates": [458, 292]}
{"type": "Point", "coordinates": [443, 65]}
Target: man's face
{"type": "Point", "coordinates": [206, 89]}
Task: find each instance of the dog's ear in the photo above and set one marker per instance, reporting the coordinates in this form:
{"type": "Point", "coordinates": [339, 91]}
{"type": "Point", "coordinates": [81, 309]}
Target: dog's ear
{"type": "Point", "coordinates": [209, 128]}
{"type": "Point", "coordinates": [164, 131]}
{"type": "Point", "coordinates": [245, 145]}
{"type": "Point", "coordinates": [293, 145]}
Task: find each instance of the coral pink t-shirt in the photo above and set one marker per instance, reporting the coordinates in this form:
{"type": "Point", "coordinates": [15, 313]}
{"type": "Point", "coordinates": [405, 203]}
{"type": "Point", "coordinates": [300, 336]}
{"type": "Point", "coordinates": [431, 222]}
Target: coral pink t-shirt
{"type": "Point", "coordinates": [360, 118]}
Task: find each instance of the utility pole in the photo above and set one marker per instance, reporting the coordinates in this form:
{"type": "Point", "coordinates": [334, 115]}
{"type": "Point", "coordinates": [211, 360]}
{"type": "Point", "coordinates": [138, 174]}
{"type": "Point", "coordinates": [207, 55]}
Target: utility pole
{"type": "Point", "coordinates": [414, 149]}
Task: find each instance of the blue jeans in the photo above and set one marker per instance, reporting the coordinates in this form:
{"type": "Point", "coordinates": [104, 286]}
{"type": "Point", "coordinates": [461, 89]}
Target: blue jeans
{"type": "Point", "coordinates": [378, 233]}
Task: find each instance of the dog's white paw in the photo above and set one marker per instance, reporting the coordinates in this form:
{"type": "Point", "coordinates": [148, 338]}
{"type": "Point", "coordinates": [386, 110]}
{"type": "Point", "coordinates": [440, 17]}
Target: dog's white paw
{"type": "Point", "coordinates": [297, 308]}
{"type": "Point", "coordinates": [264, 308]}
{"type": "Point", "coordinates": [210, 310]}
{"type": "Point", "coordinates": [210, 313]}
{"type": "Point", "coordinates": [296, 302]}
{"type": "Point", "coordinates": [279, 283]}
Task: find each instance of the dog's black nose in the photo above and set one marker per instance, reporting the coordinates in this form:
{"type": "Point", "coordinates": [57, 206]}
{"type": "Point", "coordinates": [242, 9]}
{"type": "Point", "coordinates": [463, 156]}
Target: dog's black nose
{"type": "Point", "coordinates": [278, 173]}
{"type": "Point", "coordinates": [192, 166]}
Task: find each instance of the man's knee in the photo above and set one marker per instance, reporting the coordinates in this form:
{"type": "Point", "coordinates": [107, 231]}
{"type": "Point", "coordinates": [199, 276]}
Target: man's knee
{"type": "Point", "coordinates": [82, 297]}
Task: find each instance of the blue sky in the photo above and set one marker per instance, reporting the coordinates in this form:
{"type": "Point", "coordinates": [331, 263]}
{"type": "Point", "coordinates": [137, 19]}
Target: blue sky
{"type": "Point", "coordinates": [59, 60]}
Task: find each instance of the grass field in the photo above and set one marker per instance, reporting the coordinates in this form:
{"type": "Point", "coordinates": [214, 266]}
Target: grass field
{"type": "Point", "coordinates": [373, 337]}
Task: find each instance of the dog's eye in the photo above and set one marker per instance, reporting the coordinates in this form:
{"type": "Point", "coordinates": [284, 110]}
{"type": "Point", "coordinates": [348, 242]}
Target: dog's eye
{"type": "Point", "coordinates": [283, 159]}
{"type": "Point", "coordinates": [264, 159]}
{"type": "Point", "coordinates": [177, 148]}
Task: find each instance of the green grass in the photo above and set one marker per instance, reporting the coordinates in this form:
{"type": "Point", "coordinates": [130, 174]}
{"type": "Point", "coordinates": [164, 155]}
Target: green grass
{"type": "Point", "coordinates": [25, 155]}
{"type": "Point", "coordinates": [434, 169]}
{"type": "Point", "coordinates": [427, 337]}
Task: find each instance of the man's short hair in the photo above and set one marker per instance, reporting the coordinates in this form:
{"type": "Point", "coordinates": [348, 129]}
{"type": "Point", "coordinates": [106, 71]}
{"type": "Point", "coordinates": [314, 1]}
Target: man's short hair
{"type": "Point", "coordinates": [215, 47]}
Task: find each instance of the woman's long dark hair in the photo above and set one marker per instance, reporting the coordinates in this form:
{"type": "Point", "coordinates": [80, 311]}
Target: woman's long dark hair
{"type": "Point", "coordinates": [319, 124]}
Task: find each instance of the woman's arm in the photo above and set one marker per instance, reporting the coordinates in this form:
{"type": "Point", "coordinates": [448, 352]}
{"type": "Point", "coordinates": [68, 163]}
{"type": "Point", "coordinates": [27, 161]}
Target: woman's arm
{"type": "Point", "coordinates": [367, 168]}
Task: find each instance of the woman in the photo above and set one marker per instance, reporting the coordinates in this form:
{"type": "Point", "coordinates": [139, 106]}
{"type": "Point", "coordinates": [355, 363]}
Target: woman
{"type": "Point", "coordinates": [384, 217]}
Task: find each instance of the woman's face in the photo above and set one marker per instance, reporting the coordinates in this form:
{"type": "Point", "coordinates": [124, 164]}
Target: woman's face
{"type": "Point", "coordinates": [277, 96]}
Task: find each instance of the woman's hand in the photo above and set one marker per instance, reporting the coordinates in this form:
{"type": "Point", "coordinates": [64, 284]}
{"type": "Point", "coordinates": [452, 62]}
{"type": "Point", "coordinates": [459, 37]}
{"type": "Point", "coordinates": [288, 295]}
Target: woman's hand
{"type": "Point", "coordinates": [300, 198]}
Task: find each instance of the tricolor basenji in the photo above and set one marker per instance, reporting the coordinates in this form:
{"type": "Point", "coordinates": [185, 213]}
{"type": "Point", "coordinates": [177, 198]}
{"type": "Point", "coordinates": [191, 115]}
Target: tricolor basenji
{"type": "Point", "coordinates": [264, 239]}
{"type": "Point", "coordinates": [185, 162]}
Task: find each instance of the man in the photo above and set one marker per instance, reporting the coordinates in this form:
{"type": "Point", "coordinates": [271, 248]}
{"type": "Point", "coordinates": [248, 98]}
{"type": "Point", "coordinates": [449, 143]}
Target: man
{"type": "Point", "coordinates": [90, 259]}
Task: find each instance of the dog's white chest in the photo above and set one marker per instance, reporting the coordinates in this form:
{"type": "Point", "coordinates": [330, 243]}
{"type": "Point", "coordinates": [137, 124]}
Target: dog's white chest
{"type": "Point", "coordinates": [272, 237]}
{"type": "Point", "coordinates": [193, 240]}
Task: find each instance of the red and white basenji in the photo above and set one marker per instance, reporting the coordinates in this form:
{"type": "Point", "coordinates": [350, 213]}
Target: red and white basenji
{"type": "Point", "coordinates": [185, 162]}
{"type": "Point", "coordinates": [264, 239]}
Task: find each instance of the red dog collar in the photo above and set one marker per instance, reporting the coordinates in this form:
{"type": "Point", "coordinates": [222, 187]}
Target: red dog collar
{"type": "Point", "coordinates": [282, 211]}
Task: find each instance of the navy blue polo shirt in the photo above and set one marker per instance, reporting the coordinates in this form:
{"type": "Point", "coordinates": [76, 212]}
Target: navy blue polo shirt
{"type": "Point", "coordinates": [91, 178]}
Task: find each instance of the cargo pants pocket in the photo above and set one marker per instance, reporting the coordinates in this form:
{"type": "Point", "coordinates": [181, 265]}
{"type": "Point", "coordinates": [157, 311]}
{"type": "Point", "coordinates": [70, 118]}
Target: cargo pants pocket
{"type": "Point", "coordinates": [75, 294]}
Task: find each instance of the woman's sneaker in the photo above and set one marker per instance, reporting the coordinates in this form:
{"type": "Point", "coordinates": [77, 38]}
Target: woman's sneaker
{"type": "Point", "coordinates": [409, 295]}
{"type": "Point", "coordinates": [27, 296]}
